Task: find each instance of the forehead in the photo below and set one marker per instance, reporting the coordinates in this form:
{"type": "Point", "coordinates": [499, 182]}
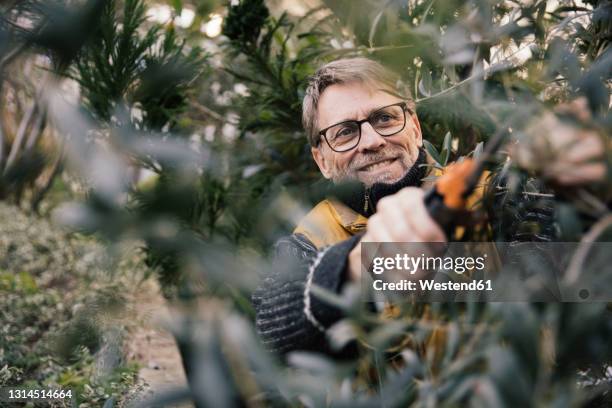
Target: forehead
{"type": "Point", "coordinates": [354, 100]}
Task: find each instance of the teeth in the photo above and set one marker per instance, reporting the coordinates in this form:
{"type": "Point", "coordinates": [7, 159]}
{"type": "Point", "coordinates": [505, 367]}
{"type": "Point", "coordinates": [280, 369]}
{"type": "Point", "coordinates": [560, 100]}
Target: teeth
{"type": "Point", "coordinates": [378, 165]}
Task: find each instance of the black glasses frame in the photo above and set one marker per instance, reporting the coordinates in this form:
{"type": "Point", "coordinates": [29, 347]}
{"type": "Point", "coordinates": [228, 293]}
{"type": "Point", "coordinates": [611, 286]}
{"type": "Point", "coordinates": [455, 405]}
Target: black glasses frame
{"type": "Point", "coordinates": [361, 122]}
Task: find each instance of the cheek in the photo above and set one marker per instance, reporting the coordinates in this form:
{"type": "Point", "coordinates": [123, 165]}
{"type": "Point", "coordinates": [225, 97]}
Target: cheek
{"type": "Point", "coordinates": [408, 144]}
{"type": "Point", "coordinates": [340, 161]}
{"type": "Point", "coordinates": [406, 140]}
{"type": "Point", "coordinates": [345, 159]}
{"type": "Point", "coordinates": [410, 139]}
{"type": "Point", "coordinates": [412, 134]}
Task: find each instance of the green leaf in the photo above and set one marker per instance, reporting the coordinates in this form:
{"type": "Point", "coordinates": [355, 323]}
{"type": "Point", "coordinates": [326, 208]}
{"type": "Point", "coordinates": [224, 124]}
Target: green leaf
{"type": "Point", "coordinates": [374, 26]}
{"type": "Point", "coordinates": [426, 83]}
{"type": "Point", "coordinates": [433, 152]}
{"type": "Point", "coordinates": [478, 150]}
{"type": "Point", "coordinates": [446, 149]}
{"type": "Point", "coordinates": [447, 141]}
{"type": "Point", "coordinates": [178, 6]}
{"type": "Point", "coordinates": [430, 178]}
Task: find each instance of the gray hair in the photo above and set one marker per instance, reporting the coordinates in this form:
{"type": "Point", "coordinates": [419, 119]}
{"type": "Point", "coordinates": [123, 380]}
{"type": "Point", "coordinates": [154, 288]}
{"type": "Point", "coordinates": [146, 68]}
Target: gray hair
{"type": "Point", "coordinates": [344, 71]}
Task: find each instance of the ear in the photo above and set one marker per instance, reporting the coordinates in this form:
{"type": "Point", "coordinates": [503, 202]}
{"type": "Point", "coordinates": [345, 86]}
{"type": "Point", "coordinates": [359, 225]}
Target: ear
{"type": "Point", "coordinates": [321, 161]}
{"type": "Point", "coordinates": [417, 125]}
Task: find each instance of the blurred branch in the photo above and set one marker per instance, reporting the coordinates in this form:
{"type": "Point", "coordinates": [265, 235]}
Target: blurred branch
{"type": "Point", "coordinates": [209, 112]}
{"type": "Point", "coordinates": [480, 75]}
{"type": "Point", "coordinates": [593, 202]}
{"type": "Point", "coordinates": [56, 169]}
{"type": "Point", "coordinates": [528, 193]}
{"type": "Point", "coordinates": [20, 136]}
{"type": "Point", "coordinates": [574, 269]}
{"type": "Point", "coordinates": [37, 128]}
{"type": "Point", "coordinates": [500, 66]}
{"type": "Point", "coordinates": [9, 57]}
{"type": "Point", "coordinates": [565, 21]}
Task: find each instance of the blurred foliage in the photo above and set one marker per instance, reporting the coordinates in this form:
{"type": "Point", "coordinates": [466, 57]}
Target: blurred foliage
{"type": "Point", "coordinates": [55, 289]}
{"type": "Point", "coordinates": [231, 169]}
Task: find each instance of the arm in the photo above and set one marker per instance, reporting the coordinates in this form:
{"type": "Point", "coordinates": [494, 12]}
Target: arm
{"type": "Point", "coordinates": [288, 316]}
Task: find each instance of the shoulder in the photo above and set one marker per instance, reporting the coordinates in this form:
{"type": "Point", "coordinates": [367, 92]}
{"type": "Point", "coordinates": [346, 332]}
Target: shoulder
{"type": "Point", "coordinates": [324, 225]}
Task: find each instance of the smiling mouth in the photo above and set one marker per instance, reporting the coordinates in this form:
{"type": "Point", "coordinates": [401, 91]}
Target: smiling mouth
{"type": "Point", "coordinates": [378, 165]}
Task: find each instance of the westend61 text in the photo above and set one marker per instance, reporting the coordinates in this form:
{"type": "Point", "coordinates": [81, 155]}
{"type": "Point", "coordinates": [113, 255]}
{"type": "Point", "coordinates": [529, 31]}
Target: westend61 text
{"type": "Point", "coordinates": [429, 285]}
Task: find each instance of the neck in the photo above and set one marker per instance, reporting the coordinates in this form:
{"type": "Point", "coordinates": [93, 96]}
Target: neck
{"type": "Point", "coordinates": [363, 199]}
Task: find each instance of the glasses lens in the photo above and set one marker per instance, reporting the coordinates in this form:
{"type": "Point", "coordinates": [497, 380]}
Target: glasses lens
{"type": "Point", "coordinates": [389, 120]}
{"type": "Point", "coordinates": [343, 136]}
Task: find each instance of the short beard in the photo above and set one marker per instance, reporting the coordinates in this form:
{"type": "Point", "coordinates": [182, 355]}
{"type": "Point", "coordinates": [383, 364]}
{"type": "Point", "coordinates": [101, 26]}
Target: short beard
{"type": "Point", "coordinates": [391, 152]}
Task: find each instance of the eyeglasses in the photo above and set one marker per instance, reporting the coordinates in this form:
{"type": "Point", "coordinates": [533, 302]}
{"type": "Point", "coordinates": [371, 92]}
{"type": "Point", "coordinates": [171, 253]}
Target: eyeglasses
{"type": "Point", "coordinates": [386, 121]}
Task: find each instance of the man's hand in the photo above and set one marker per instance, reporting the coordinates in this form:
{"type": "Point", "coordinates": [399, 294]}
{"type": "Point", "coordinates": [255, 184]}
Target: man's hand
{"type": "Point", "coordinates": [401, 217]}
{"type": "Point", "coordinates": [561, 152]}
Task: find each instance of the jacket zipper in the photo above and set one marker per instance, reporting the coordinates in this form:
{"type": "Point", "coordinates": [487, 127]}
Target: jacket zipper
{"type": "Point", "coordinates": [367, 201]}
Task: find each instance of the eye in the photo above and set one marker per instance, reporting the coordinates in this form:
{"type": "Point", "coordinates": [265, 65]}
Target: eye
{"type": "Point", "coordinates": [384, 117]}
{"type": "Point", "coordinates": [347, 131]}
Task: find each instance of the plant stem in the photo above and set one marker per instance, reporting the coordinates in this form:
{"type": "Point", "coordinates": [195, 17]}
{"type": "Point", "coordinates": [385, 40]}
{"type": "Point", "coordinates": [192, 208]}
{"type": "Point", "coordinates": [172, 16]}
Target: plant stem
{"type": "Point", "coordinates": [574, 269]}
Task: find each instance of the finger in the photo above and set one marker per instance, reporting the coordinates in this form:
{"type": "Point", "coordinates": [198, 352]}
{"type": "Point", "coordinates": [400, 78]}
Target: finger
{"type": "Point", "coordinates": [394, 218]}
{"type": "Point", "coordinates": [377, 231]}
{"type": "Point", "coordinates": [589, 147]}
{"type": "Point", "coordinates": [574, 175]}
{"type": "Point", "coordinates": [425, 228]}
{"type": "Point", "coordinates": [578, 107]}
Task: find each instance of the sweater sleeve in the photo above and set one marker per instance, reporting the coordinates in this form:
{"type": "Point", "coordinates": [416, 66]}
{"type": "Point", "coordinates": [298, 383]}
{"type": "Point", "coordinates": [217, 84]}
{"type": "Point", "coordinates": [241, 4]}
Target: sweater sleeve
{"type": "Point", "coordinates": [288, 316]}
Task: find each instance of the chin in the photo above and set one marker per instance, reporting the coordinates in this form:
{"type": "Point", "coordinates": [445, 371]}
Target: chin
{"type": "Point", "coordinates": [386, 178]}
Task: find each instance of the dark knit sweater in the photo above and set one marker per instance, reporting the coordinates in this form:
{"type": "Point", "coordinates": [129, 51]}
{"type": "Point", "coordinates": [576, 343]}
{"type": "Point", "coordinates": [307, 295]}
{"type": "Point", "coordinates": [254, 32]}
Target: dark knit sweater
{"type": "Point", "coordinates": [288, 316]}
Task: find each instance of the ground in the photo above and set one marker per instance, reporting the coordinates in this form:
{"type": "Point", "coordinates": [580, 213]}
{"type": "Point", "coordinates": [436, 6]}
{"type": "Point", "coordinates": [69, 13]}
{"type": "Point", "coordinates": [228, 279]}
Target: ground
{"type": "Point", "coordinates": [149, 344]}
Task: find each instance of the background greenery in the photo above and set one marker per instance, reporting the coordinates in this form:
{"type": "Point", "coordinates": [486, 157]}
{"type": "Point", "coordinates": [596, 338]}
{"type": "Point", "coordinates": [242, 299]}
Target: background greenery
{"type": "Point", "coordinates": [189, 142]}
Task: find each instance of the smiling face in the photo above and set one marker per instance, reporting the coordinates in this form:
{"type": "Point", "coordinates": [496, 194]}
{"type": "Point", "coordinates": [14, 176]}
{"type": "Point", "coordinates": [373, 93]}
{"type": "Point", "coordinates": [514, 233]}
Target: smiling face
{"type": "Point", "coordinates": [376, 159]}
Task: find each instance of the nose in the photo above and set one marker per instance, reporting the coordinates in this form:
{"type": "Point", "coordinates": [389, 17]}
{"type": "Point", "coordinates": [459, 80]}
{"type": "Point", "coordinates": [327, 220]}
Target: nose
{"type": "Point", "coordinates": [370, 139]}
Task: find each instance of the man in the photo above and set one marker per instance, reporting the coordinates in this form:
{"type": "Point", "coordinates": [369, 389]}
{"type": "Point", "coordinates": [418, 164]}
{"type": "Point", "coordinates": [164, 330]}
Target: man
{"type": "Point", "coordinates": [361, 129]}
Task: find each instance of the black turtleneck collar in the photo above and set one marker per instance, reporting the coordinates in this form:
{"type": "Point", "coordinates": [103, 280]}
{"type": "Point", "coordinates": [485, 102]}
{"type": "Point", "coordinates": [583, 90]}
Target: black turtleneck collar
{"type": "Point", "coordinates": [356, 195]}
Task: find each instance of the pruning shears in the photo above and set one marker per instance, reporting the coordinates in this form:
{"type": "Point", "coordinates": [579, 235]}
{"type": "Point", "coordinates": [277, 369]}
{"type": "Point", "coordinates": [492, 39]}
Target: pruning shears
{"type": "Point", "coordinates": [446, 200]}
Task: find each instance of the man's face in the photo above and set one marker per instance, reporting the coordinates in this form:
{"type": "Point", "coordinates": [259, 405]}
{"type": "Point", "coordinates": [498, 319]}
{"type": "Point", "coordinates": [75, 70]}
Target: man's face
{"type": "Point", "coordinates": [376, 158]}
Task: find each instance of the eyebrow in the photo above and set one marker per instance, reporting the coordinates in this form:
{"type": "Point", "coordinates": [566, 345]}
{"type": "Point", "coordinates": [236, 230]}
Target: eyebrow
{"type": "Point", "coordinates": [352, 119]}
